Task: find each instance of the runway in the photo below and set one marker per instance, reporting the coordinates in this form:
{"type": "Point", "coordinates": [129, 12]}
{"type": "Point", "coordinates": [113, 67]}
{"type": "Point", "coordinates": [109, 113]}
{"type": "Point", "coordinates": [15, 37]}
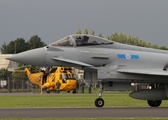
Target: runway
{"type": "Point", "coordinates": [83, 112]}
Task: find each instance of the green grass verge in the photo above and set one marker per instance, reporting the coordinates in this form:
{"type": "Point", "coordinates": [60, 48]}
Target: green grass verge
{"type": "Point", "coordinates": [37, 100]}
{"type": "Point", "coordinates": [34, 100]}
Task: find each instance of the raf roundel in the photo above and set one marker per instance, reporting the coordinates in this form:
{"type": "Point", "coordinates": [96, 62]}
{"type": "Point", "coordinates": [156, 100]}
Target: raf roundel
{"type": "Point", "coordinates": [128, 56]}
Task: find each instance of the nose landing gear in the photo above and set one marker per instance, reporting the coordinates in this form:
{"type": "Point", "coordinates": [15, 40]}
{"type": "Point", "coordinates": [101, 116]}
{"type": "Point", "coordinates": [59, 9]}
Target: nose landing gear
{"type": "Point", "coordinates": [99, 102]}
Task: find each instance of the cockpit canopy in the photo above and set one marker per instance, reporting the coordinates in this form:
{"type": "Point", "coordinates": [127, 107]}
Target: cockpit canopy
{"type": "Point", "coordinates": [81, 40]}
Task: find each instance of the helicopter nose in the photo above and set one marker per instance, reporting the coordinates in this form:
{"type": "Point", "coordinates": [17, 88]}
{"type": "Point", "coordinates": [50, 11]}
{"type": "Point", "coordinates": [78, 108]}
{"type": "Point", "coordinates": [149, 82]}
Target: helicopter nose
{"type": "Point", "coordinates": [32, 57]}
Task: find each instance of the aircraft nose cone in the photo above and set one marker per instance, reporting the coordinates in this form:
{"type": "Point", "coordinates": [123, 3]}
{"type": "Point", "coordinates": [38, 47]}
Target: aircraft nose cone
{"type": "Point", "coordinates": [32, 57]}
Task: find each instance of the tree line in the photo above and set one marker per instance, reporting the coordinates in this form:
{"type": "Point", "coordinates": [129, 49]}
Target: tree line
{"type": "Point", "coordinates": [20, 45]}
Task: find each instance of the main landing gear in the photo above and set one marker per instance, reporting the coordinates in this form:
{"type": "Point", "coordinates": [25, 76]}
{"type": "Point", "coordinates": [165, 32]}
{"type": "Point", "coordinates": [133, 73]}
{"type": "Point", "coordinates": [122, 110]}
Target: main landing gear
{"type": "Point", "coordinates": [154, 103]}
{"type": "Point", "coordinates": [99, 102]}
{"type": "Point", "coordinates": [143, 94]}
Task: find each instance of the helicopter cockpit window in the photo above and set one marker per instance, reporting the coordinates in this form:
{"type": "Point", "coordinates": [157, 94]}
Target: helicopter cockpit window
{"type": "Point", "coordinates": [90, 40]}
{"type": "Point", "coordinates": [53, 70]}
{"type": "Point", "coordinates": [71, 76]}
{"type": "Point", "coordinates": [63, 42]}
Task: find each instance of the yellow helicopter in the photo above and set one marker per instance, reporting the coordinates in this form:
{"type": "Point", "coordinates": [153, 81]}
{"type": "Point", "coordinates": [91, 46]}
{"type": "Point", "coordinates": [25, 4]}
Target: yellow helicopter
{"type": "Point", "coordinates": [47, 79]}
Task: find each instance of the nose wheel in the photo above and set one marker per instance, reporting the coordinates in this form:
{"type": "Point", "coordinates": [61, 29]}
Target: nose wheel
{"type": "Point", "coordinates": [99, 102]}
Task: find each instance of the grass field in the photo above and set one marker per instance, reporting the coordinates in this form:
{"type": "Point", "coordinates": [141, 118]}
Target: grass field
{"type": "Point", "coordinates": [34, 100]}
{"type": "Point", "coordinates": [112, 99]}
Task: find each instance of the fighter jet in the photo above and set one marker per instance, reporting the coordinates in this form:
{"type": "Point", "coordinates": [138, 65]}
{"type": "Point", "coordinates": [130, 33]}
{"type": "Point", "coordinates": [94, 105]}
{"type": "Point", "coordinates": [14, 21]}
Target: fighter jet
{"type": "Point", "coordinates": [113, 64]}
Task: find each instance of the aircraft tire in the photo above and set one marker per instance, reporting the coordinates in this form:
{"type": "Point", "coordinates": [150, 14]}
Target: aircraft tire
{"type": "Point", "coordinates": [99, 102]}
{"type": "Point", "coordinates": [154, 103]}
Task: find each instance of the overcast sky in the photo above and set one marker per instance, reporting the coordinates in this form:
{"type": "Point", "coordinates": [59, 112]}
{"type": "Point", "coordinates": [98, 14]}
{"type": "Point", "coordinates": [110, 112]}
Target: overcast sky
{"type": "Point", "coordinates": [54, 19]}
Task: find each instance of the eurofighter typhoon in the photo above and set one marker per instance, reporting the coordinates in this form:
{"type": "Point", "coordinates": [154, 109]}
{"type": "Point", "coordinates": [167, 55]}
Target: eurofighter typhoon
{"type": "Point", "coordinates": [115, 65]}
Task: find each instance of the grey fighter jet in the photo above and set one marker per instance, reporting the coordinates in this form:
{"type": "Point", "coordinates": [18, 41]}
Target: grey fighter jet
{"type": "Point", "coordinates": [113, 64]}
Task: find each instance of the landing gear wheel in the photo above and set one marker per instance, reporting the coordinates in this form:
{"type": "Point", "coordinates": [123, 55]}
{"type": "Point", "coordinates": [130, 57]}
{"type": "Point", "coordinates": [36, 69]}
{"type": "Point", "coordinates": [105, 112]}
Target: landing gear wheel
{"type": "Point", "coordinates": [154, 103]}
{"type": "Point", "coordinates": [99, 102]}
